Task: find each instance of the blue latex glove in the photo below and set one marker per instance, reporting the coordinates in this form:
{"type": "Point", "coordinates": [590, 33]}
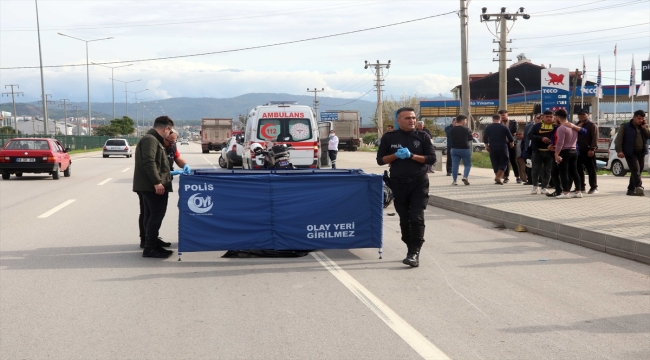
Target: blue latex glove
{"type": "Point", "coordinates": [403, 153]}
{"type": "Point", "coordinates": [186, 169]}
{"type": "Point", "coordinates": [176, 172]}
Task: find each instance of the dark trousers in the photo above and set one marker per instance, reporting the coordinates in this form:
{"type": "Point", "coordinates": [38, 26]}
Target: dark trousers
{"type": "Point", "coordinates": [542, 165]}
{"type": "Point", "coordinates": [155, 207]}
{"type": "Point", "coordinates": [569, 169]}
{"type": "Point", "coordinates": [587, 163]}
{"type": "Point", "coordinates": [499, 158]}
{"type": "Point", "coordinates": [449, 160]}
{"type": "Point", "coordinates": [635, 164]}
{"type": "Point", "coordinates": [141, 217]}
{"type": "Point", "coordinates": [410, 201]}
{"type": "Point", "coordinates": [332, 154]}
{"type": "Point", "coordinates": [555, 177]}
{"type": "Point", "coordinates": [512, 155]}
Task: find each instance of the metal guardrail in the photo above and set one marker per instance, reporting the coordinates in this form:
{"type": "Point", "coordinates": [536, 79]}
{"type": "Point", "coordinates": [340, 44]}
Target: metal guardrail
{"type": "Point", "coordinates": [73, 142]}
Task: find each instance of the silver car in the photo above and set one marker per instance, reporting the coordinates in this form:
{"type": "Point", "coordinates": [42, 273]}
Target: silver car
{"type": "Point", "coordinates": [117, 147]}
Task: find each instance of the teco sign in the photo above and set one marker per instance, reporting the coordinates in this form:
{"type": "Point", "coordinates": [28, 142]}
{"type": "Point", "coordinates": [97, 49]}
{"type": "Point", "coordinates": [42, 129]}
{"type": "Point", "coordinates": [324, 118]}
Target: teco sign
{"type": "Point", "coordinates": [555, 89]}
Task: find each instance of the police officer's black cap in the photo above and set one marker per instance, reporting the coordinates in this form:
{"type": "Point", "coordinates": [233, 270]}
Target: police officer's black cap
{"type": "Point", "coordinates": [583, 112]}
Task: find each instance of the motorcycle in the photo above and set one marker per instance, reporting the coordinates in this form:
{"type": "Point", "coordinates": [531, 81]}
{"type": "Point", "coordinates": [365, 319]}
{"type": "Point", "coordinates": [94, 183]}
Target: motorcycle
{"type": "Point", "coordinates": [277, 157]}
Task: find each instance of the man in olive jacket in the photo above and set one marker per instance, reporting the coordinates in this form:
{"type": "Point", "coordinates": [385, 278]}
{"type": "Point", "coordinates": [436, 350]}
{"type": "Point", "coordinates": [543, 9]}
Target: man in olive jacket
{"type": "Point", "coordinates": [153, 183]}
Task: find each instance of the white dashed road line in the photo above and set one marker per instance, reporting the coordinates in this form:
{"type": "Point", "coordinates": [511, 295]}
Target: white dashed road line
{"type": "Point", "coordinates": [47, 214]}
{"type": "Point", "coordinates": [412, 337]}
{"type": "Point", "coordinates": [127, 169]}
{"type": "Point", "coordinates": [209, 162]}
{"type": "Point", "coordinates": [105, 181]}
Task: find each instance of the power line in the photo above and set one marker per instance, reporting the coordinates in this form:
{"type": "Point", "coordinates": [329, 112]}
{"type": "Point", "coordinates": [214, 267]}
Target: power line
{"type": "Point", "coordinates": [596, 9]}
{"type": "Point", "coordinates": [185, 21]}
{"type": "Point", "coordinates": [579, 43]}
{"type": "Point", "coordinates": [568, 7]}
{"type": "Point", "coordinates": [350, 102]}
{"type": "Point", "coordinates": [585, 32]}
{"type": "Point", "coordinates": [242, 49]}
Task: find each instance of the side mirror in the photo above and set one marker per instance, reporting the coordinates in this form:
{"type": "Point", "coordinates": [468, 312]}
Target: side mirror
{"type": "Point", "coordinates": [66, 150]}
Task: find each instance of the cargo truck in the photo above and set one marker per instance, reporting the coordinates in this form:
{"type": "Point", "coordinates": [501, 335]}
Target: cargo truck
{"type": "Point", "coordinates": [215, 133]}
{"type": "Point", "coordinates": [346, 125]}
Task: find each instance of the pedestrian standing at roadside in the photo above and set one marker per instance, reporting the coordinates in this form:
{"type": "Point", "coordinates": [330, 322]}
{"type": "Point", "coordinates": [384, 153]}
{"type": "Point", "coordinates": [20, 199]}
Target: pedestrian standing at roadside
{"type": "Point", "coordinates": [447, 130]}
{"type": "Point", "coordinates": [498, 139]}
{"type": "Point", "coordinates": [527, 151]}
{"type": "Point", "coordinates": [587, 145]}
{"type": "Point", "coordinates": [512, 151]}
{"type": "Point", "coordinates": [541, 135]}
{"type": "Point", "coordinates": [460, 149]}
{"type": "Point", "coordinates": [566, 156]}
{"type": "Point", "coordinates": [420, 127]}
{"type": "Point", "coordinates": [153, 182]}
{"type": "Point", "coordinates": [632, 144]}
{"type": "Point", "coordinates": [521, 157]}
{"type": "Point", "coordinates": [333, 148]}
{"type": "Point", "coordinates": [408, 152]}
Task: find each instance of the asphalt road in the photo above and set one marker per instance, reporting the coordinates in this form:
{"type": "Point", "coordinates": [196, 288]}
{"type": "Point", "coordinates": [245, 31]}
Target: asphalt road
{"type": "Point", "coordinates": [73, 285]}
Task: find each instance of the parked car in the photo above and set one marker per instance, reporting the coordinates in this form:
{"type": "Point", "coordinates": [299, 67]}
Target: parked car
{"type": "Point", "coordinates": [477, 146]}
{"type": "Point", "coordinates": [185, 141]}
{"type": "Point", "coordinates": [231, 154]}
{"type": "Point", "coordinates": [440, 143]}
{"type": "Point", "coordinates": [117, 147]}
{"type": "Point", "coordinates": [618, 166]}
{"type": "Point", "coordinates": [36, 156]}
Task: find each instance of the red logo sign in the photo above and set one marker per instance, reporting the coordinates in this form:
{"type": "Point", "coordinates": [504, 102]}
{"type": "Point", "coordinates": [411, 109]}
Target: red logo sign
{"type": "Point", "coordinates": [555, 79]}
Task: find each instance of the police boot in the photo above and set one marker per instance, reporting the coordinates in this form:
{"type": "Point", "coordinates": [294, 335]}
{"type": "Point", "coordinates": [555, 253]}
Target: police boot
{"type": "Point", "coordinates": [412, 258]}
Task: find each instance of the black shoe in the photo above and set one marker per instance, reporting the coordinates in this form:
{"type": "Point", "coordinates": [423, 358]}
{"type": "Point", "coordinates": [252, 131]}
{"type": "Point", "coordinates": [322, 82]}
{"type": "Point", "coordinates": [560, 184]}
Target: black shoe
{"type": "Point", "coordinates": [552, 194]}
{"type": "Point", "coordinates": [528, 183]}
{"type": "Point", "coordinates": [412, 259]}
{"type": "Point", "coordinates": [160, 243]}
{"type": "Point", "coordinates": [448, 174]}
{"type": "Point", "coordinates": [156, 252]}
{"type": "Point", "coordinates": [518, 181]}
{"type": "Point", "coordinates": [505, 181]}
{"type": "Point", "coordinates": [631, 193]}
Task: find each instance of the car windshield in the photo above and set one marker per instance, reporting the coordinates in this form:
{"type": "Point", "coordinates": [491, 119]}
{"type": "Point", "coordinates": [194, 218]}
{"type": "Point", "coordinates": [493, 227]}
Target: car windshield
{"type": "Point", "coordinates": [115, 142]}
{"type": "Point", "coordinates": [439, 140]}
{"type": "Point", "coordinates": [28, 145]}
{"type": "Point", "coordinates": [284, 129]}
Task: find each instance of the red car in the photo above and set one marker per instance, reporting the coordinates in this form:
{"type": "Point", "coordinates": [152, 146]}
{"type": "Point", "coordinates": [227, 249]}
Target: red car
{"type": "Point", "coordinates": [34, 155]}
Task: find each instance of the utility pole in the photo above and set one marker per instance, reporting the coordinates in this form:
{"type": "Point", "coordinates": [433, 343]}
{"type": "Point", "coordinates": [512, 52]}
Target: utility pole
{"type": "Point", "coordinates": [45, 119]}
{"type": "Point", "coordinates": [500, 20]}
{"type": "Point", "coordinates": [40, 57]}
{"type": "Point", "coordinates": [464, 88]}
{"type": "Point", "coordinates": [13, 100]}
{"type": "Point", "coordinates": [65, 114]}
{"type": "Point", "coordinates": [379, 74]}
{"type": "Point", "coordinates": [76, 119]}
{"type": "Point", "coordinates": [316, 91]}
{"type": "Point", "coordinates": [113, 82]}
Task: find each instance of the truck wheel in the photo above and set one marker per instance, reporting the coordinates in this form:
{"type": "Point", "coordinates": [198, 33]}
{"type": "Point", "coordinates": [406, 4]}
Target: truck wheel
{"type": "Point", "coordinates": [618, 169]}
{"type": "Point", "coordinates": [206, 151]}
{"type": "Point", "coordinates": [354, 148]}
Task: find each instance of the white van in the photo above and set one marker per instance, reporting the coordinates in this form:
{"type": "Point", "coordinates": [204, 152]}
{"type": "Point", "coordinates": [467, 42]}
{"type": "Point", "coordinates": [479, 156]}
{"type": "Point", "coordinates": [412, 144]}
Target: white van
{"type": "Point", "coordinates": [618, 166]}
{"type": "Point", "coordinates": [283, 123]}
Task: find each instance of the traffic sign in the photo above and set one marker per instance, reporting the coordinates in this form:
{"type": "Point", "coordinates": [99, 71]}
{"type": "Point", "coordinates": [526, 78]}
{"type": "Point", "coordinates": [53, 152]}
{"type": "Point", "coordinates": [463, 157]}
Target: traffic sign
{"type": "Point", "coordinates": [555, 89]}
{"type": "Point", "coordinates": [329, 116]}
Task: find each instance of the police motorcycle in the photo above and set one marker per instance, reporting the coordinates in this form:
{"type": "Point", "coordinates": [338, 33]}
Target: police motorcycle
{"type": "Point", "coordinates": [277, 157]}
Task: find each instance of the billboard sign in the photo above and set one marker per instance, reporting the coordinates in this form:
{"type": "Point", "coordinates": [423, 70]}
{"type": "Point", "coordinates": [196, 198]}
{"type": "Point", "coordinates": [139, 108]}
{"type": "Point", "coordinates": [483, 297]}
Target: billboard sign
{"type": "Point", "coordinates": [329, 116]}
{"type": "Point", "coordinates": [555, 89]}
{"type": "Point", "coordinates": [645, 70]}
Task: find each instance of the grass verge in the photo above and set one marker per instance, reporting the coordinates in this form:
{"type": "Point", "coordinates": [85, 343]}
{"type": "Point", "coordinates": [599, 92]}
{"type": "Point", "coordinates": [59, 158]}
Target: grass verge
{"type": "Point", "coordinates": [80, 151]}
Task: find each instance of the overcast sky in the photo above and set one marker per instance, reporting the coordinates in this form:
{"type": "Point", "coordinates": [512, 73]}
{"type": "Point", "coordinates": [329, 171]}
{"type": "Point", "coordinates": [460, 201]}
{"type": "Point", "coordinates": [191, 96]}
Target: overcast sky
{"type": "Point", "coordinates": [425, 54]}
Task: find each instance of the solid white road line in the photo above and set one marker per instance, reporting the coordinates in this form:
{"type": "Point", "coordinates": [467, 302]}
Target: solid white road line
{"type": "Point", "coordinates": [47, 214]}
{"type": "Point", "coordinates": [105, 181]}
{"type": "Point", "coordinates": [412, 337]}
{"type": "Point", "coordinates": [125, 170]}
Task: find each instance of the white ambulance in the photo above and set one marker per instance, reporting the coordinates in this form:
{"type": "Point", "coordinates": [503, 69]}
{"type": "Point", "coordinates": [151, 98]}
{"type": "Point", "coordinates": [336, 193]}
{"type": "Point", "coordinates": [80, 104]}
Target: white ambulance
{"type": "Point", "coordinates": [283, 122]}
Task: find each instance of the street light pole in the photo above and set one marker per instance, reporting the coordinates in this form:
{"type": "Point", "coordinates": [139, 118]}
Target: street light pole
{"type": "Point", "coordinates": [525, 101]}
{"type": "Point", "coordinates": [126, 93]}
{"type": "Point", "coordinates": [87, 75]}
{"type": "Point", "coordinates": [113, 82]}
{"type": "Point", "coordinates": [136, 120]}
{"type": "Point", "coordinates": [136, 104]}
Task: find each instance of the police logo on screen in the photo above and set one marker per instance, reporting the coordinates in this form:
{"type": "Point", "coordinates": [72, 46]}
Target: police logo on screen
{"type": "Point", "coordinates": [198, 204]}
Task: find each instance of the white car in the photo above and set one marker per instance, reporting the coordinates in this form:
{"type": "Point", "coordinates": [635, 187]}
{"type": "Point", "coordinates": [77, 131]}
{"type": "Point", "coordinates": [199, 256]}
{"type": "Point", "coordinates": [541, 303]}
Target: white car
{"type": "Point", "coordinates": [117, 147]}
{"type": "Point", "coordinates": [617, 165]}
{"type": "Point", "coordinates": [231, 154]}
{"type": "Point", "coordinates": [185, 142]}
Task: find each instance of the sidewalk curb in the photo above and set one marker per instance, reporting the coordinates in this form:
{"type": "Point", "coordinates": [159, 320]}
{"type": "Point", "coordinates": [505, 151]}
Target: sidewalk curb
{"type": "Point", "coordinates": [627, 248]}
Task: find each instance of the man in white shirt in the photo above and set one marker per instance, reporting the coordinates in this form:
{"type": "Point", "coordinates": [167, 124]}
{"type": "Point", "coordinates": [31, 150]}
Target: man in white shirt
{"type": "Point", "coordinates": [333, 148]}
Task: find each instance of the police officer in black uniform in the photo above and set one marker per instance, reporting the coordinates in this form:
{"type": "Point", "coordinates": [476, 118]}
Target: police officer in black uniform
{"type": "Point", "coordinates": [408, 151]}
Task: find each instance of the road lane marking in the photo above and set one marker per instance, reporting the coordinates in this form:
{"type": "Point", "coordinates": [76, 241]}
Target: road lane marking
{"type": "Point", "coordinates": [47, 214]}
{"type": "Point", "coordinates": [412, 337]}
{"type": "Point", "coordinates": [209, 162]}
{"type": "Point", "coordinates": [127, 169]}
{"type": "Point", "coordinates": [105, 181]}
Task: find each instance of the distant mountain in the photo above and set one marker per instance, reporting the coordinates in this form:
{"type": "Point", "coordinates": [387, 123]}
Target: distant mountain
{"type": "Point", "coordinates": [196, 108]}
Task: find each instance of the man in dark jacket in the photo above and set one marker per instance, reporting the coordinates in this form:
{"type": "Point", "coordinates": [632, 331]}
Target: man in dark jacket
{"type": "Point", "coordinates": [153, 182]}
{"type": "Point", "coordinates": [447, 133]}
{"type": "Point", "coordinates": [498, 139]}
{"type": "Point", "coordinates": [632, 144]}
{"type": "Point", "coordinates": [408, 151]}
{"type": "Point", "coordinates": [512, 152]}
{"type": "Point", "coordinates": [541, 135]}
{"type": "Point", "coordinates": [587, 145]}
